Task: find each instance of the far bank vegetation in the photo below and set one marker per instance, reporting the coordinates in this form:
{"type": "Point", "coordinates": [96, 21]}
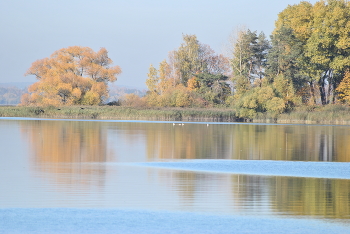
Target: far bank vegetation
{"type": "Point", "coordinates": [303, 67]}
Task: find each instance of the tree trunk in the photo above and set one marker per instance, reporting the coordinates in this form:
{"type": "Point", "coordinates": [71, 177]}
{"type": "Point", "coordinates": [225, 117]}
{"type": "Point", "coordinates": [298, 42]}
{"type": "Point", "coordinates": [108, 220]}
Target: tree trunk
{"type": "Point", "coordinates": [312, 92]}
{"type": "Point", "coordinates": [323, 94]}
{"type": "Point", "coordinates": [322, 89]}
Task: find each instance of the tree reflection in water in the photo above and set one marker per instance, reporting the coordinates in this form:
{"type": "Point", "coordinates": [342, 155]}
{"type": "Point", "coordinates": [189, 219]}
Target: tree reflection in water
{"type": "Point", "coordinates": [60, 147]}
{"type": "Point", "coordinates": [55, 144]}
{"type": "Point", "coordinates": [295, 196]}
{"type": "Point", "coordinates": [244, 141]}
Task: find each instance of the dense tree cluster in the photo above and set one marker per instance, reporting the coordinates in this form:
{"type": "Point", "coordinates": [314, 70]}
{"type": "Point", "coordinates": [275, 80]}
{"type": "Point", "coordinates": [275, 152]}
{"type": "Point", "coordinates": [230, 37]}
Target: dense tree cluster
{"type": "Point", "coordinates": [305, 62]}
{"type": "Point", "coordinates": [193, 75]}
{"type": "Point", "coordinates": [311, 47]}
{"type": "Point", "coordinates": [73, 75]}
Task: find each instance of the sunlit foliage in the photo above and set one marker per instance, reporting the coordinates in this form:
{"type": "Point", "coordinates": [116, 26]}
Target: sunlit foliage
{"type": "Point", "coordinates": [193, 75]}
{"type": "Point", "coordinates": [320, 35]}
{"type": "Point", "coordinates": [134, 100]}
{"type": "Point", "coordinates": [304, 62]}
{"type": "Point", "coordinates": [73, 75]}
{"type": "Point", "coordinates": [344, 88]}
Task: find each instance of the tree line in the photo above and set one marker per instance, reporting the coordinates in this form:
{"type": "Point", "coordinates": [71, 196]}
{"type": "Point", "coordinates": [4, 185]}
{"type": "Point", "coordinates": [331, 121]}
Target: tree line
{"type": "Point", "coordinates": [304, 62]}
{"type": "Point", "coordinates": [11, 95]}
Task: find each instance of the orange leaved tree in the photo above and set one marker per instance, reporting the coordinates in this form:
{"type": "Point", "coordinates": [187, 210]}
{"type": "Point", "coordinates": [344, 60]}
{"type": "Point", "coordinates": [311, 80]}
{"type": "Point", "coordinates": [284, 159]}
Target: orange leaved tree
{"type": "Point", "coordinates": [71, 76]}
{"type": "Point", "coordinates": [344, 88]}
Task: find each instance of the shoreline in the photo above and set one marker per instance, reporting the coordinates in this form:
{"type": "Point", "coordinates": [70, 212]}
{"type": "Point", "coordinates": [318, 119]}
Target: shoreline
{"type": "Point", "coordinates": [320, 115]}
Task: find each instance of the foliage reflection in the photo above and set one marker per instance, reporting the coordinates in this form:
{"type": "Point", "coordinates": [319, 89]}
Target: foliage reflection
{"type": "Point", "coordinates": [322, 198]}
{"type": "Point", "coordinates": [55, 144]}
{"type": "Point", "coordinates": [243, 141]}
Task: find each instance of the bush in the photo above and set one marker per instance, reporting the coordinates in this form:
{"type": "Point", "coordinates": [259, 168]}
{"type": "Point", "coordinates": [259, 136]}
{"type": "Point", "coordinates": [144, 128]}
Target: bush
{"type": "Point", "coordinates": [133, 100]}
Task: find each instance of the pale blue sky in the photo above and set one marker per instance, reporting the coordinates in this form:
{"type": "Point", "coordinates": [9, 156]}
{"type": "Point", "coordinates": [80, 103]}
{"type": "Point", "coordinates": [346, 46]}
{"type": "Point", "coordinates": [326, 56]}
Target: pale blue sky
{"type": "Point", "coordinates": [136, 33]}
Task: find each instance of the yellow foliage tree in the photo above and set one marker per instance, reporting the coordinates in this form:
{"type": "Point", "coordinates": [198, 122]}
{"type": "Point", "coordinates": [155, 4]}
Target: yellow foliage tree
{"type": "Point", "coordinates": [153, 79]}
{"type": "Point", "coordinates": [71, 76]}
{"type": "Point", "coordinates": [163, 91]}
{"type": "Point", "coordinates": [187, 76]}
{"type": "Point", "coordinates": [165, 81]}
{"type": "Point", "coordinates": [344, 88]}
{"type": "Point", "coordinates": [193, 84]}
{"type": "Point", "coordinates": [182, 96]}
{"type": "Point", "coordinates": [132, 99]}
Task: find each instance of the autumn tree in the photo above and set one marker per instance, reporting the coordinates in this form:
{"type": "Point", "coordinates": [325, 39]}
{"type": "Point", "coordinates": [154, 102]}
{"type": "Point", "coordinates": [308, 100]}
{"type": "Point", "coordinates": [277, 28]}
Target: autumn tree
{"type": "Point", "coordinates": [258, 73]}
{"type": "Point", "coordinates": [259, 99]}
{"type": "Point", "coordinates": [187, 58]}
{"type": "Point", "coordinates": [192, 74]}
{"type": "Point", "coordinates": [329, 46]}
{"type": "Point", "coordinates": [322, 30]}
{"type": "Point", "coordinates": [193, 57]}
{"type": "Point", "coordinates": [73, 75]}
{"type": "Point", "coordinates": [286, 65]}
{"type": "Point", "coordinates": [344, 88]}
{"type": "Point", "coordinates": [162, 91]}
{"type": "Point", "coordinates": [153, 79]}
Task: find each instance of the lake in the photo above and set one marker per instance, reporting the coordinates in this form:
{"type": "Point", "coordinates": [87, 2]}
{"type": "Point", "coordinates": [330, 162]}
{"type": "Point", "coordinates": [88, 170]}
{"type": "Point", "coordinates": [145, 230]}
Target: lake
{"type": "Point", "coordinates": [80, 176]}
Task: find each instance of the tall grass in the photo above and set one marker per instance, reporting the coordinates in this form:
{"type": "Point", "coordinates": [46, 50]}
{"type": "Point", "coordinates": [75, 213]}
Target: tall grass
{"type": "Point", "coordinates": [330, 114]}
{"type": "Point", "coordinates": [121, 113]}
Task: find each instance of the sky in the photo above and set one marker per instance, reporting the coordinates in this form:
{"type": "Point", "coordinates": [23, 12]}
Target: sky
{"type": "Point", "coordinates": [136, 33]}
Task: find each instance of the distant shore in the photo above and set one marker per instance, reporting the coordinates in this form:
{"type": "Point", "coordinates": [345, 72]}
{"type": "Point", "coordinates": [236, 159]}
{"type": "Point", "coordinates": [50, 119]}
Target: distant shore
{"type": "Point", "coordinates": [332, 114]}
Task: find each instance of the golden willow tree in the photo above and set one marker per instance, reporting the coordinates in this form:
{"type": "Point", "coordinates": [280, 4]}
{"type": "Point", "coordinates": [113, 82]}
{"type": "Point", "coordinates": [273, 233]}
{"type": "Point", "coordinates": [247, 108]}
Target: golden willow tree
{"type": "Point", "coordinates": [71, 76]}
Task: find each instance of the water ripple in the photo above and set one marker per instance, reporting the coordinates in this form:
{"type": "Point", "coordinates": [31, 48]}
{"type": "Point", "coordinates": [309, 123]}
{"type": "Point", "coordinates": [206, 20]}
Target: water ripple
{"type": "Point", "coordinates": [261, 167]}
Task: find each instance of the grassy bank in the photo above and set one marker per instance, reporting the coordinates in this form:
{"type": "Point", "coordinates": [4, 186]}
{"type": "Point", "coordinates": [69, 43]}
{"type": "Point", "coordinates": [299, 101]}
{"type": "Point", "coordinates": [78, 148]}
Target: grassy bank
{"type": "Point", "coordinates": [121, 113]}
{"type": "Point", "coordinates": [331, 114]}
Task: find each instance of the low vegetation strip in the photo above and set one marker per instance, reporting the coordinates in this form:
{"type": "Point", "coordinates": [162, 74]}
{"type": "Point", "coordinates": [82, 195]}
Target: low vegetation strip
{"type": "Point", "coordinates": [330, 114]}
{"type": "Point", "coordinates": [121, 113]}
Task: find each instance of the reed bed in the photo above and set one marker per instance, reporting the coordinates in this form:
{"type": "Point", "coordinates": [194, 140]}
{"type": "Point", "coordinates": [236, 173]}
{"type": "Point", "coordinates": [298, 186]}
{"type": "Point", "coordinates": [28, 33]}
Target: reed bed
{"type": "Point", "coordinates": [330, 114]}
{"type": "Point", "coordinates": [121, 113]}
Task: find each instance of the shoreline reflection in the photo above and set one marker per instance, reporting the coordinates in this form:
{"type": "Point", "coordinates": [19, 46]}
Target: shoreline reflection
{"type": "Point", "coordinates": [60, 147]}
{"type": "Point", "coordinates": [74, 157]}
{"type": "Point", "coordinates": [291, 196]}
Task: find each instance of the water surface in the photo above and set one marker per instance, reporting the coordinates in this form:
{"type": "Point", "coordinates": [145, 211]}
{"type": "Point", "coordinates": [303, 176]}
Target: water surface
{"type": "Point", "coordinates": [247, 173]}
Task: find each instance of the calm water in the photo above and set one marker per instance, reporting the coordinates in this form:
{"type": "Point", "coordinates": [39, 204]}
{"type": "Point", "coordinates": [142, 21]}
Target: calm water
{"type": "Point", "coordinates": [101, 167]}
